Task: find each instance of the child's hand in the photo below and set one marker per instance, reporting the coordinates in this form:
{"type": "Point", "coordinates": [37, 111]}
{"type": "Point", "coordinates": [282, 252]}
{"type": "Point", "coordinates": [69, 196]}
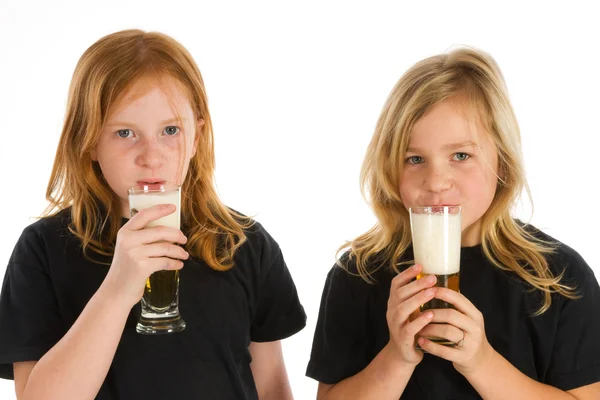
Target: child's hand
{"type": "Point", "coordinates": [463, 326]}
{"type": "Point", "coordinates": [405, 298]}
{"type": "Point", "coordinates": [141, 251]}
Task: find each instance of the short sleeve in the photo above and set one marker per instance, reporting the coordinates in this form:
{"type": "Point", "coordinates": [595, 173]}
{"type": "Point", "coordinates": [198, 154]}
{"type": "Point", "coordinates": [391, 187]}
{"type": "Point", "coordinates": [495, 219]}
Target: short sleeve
{"type": "Point", "coordinates": [279, 313]}
{"type": "Point", "coordinates": [30, 322]}
{"type": "Point", "coordinates": [575, 358]}
{"type": "Point", "coordinates": [339, 345]}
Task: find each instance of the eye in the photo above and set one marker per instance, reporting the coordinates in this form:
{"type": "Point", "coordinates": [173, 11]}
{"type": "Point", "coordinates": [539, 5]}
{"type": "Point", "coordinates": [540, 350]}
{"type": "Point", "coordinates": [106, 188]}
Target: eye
{"type": "Point", "coordinates": [461, 156]}
{"type": "Point", "coordinates": [171, 130]}
{"type": "Point", "coordinates": [414, 160]}
{"type": "Point", "coordinates": [124, 133]}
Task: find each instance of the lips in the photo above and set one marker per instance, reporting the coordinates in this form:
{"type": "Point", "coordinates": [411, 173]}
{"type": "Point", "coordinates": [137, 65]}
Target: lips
{"type": "Point", "coordinates": [152, 181]}
{"type": "Point", "coordinates": [151, 184]}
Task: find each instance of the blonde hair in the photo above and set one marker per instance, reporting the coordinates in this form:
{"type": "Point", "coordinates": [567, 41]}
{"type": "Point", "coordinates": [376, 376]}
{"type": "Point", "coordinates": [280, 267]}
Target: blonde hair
{"type": "Point", "coordinates": [473, 76]}
{"type": "Point", "coordinates": [105, 71]}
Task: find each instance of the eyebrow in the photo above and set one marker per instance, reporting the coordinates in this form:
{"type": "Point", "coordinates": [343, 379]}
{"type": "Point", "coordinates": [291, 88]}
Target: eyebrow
{"type": "Point", "coordinates": [451, 146]}
{"type": "Point", "coordinates": [165, 122]}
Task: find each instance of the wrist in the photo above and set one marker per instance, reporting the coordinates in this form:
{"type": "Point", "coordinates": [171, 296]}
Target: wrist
{"type": "Point", "coordinates": [484, 368]}
{"type": "Point", "coordinates": [395, 362]}
{"type": "Point", "coordinates": [108, 295]}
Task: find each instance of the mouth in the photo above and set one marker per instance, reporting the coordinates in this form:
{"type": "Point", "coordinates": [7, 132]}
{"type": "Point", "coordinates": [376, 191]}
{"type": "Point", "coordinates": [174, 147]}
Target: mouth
{"type": "Point", "coordinates": [151, 182]}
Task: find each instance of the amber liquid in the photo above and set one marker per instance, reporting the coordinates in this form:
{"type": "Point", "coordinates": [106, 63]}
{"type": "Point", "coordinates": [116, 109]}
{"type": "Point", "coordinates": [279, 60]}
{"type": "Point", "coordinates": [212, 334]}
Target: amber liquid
{"type": "Point", "coordinates": [161, 288]}
{"type": "Point", "coordinates": [446, 281]}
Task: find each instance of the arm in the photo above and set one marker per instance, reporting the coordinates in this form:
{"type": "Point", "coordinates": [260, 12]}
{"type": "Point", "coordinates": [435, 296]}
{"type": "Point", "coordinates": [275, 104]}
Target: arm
{"type": "Point", "coordinates": [268, 369]}
{"type": "Point", "coordinates": [76, 366]}
{"type": "Point", "coordinates": [384, 378]}
{"type": "Point", "coordinates": [387, 375]}
{"type": "Point", "coordinates": [485, 369]}
{"type": "Point", "coordinates": [490, 382]}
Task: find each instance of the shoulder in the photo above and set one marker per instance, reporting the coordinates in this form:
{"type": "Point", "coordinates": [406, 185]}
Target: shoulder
{"type": "Point", "coordinates": [377, 265]}
{"type": "Point", "coordinates": [53, 224]}
{"type": "Point", "coordinates": [565, 260]}
{"type": "Point", "coordinates": [256, 234]}
{"type": "Point", "coordinates": [38, 237]}
{"type": "Point", "coordinates": [346, 274]}
{"type": "Point", "coordinates": [259, 250]}
{"type": "Point", "coordinates": [258, 239]}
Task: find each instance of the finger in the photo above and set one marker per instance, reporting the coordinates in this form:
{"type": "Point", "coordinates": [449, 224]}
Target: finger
{"type": "Point", "coordinates": [405, 277]}
{"type": "Point", "coordinates": [459, 301]}
{"type": "Point", "coordinates": [445, 331]}
{"type": "Point", "coordinates": [446, 352]}
{"type": "Point", "coordinates": [165, 249]}
{"type": "Point", "coordinates": [411, 289]}
{"type": "Point", "coordinates": [163, 263]}
{"type": "Point", "coordinates": [160, 234]}
{"type": "Point", "coordinates": [412, 328]}
{"type": "Point", "coordinates": [143, 217]}
{"type": "Point", "coordinates": [454, 318]}
{"type": "Point", "coordinates": [407, 307]}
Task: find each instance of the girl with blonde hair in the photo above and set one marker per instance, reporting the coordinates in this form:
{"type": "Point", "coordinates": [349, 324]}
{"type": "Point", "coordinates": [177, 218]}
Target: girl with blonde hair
{"type": "Point", "coordinates": [524, 324]}
{"type": "Point", "coordinates": [137, 114]}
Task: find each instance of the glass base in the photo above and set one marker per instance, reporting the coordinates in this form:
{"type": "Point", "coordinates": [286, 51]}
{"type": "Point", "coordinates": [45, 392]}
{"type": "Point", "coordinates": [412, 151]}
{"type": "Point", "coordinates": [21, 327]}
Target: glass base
{"type": "Point", "coordinates": [438, 340]}
{"type": "Point", "coordinates": [160, 326]}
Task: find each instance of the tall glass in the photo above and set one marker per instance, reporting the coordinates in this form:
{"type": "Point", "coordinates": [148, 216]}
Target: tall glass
{"type": "Point", "coordinates": [160, 303]}
{"type": "Point", "coordinates": [436, 234]}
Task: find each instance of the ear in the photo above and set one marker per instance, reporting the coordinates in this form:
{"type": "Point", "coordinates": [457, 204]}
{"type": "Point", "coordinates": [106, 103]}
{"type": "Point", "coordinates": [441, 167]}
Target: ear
{"type": "Point", "coordinates": [94, 155]}
{"type": "Point", "coordinates": [197, 134]}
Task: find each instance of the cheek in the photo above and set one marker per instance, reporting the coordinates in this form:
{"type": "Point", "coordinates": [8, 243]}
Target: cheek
{"type": "Point", "coordinates": [408, 188]}
{"type": "Point", "coordinates": [183, 147]}
{"type": "Point", "coordinates": [478, 190]}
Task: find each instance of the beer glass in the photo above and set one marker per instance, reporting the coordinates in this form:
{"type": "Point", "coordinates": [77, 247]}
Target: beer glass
{"type": "Point", "coordinates": [436, 234]}
{"type": "Point", "coordinates": [160, 303]}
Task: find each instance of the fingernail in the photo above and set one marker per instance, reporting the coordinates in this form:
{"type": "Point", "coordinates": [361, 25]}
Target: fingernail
{"type": "Point", "coordinates": [431, 279]}
{"type": "Point", "coordinates": [429, 315]}
{"type": "Point", "coordinates": [430, 292]}
{"type": "Point", "coordinates": [416, 267]}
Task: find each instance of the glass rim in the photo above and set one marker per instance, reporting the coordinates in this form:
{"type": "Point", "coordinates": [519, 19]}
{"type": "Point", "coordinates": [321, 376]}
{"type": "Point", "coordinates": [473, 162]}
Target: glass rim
{"type": "Point", "coordinates": [154, 188]}
{"type": "Point", "coordinates": [435, 210]}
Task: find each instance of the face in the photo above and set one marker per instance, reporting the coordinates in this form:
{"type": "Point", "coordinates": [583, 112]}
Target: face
{"type": "Point", "coordinates": [451, 160]}
{"type": "Point", "coordinates": [149, 137]}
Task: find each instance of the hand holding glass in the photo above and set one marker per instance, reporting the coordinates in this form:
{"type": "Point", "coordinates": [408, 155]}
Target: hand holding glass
{"type": "Point", "coordinates": [160, 302]}
{"type": "Point", "coordinates": [436, 235]}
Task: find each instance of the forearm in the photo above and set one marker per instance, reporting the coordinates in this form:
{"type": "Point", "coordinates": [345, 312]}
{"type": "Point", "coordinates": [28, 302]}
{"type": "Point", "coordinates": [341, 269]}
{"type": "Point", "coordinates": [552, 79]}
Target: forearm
{"type": "Point", "coordinates": [384, 378]}
{"type": "Point", "coordinates": [278, 386]}
{"type": "Point", "coordinates": [281, 392]}
{"type": "Point", "coordinates": [499, 379]}
{"type": "Point", "coordinates": [77, 365]}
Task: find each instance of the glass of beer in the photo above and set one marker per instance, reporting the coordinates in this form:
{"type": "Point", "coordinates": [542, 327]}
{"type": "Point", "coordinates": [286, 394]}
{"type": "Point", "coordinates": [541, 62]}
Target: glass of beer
{"type": "Point", "coordinates": [436, 233]}
{"type": "Point", "coordinates": [160, 303]}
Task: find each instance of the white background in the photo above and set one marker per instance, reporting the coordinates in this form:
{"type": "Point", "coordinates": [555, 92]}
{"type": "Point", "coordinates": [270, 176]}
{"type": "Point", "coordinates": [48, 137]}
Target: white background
{"type": "Point", "coordinates": [295, 90]}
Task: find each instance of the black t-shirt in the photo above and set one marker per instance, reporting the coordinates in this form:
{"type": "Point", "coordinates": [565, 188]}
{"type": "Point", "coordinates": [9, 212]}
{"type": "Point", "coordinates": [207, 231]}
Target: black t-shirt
{"type": "Point", "coordinates": [48, 282]}
{"type": "Point", "coordinates": [560, 348]}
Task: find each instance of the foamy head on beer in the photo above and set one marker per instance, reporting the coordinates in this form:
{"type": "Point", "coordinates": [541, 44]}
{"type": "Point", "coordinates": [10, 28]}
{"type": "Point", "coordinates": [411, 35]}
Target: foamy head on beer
{"type": "Point", "coordinates": [141, 197]}
{"type": "Point", "coordinates": [436, 234]}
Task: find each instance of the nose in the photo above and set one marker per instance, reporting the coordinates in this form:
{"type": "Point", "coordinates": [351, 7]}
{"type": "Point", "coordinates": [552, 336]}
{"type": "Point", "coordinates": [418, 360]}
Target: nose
{"type": "Point", "coordinates": [438, 178]}
{"type": "Point", "coordinates": [150, 154]}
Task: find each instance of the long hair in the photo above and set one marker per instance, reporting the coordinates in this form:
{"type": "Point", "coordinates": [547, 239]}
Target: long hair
{"type": "Point", "coordinates": [105, 71]}
{"type": "Point", "coordinates": [474, 76]}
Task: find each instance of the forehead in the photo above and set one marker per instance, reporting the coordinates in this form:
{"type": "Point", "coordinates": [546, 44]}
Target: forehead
{"type": "Point", "coordinates": [451, 120]}
{"type": "Point", "coordinates": [164, 95]}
